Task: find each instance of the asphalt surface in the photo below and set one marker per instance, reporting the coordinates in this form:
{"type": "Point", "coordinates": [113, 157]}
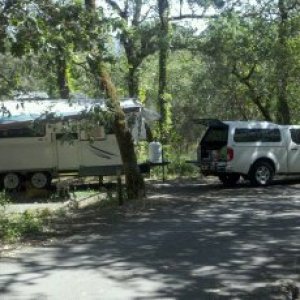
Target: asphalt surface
{"type": "Point", "coordinates": [187, 241]}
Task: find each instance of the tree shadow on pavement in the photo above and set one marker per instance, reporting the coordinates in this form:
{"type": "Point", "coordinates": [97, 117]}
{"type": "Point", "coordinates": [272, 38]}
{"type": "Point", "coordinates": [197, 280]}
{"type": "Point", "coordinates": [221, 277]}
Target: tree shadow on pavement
{"type": "Point", "coordinates": [190, 241]}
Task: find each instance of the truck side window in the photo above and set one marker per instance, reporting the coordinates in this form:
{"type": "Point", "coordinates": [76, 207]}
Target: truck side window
{"type": "Point", "coordinates": [295, 135]}
{"type": "Point", "coordinates": [246, 135]}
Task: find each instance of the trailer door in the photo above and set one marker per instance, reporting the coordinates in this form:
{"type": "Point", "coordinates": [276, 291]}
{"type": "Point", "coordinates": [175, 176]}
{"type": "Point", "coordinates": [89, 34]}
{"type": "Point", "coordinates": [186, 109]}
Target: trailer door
{"type": "Point", "coordinates": [67, 149]}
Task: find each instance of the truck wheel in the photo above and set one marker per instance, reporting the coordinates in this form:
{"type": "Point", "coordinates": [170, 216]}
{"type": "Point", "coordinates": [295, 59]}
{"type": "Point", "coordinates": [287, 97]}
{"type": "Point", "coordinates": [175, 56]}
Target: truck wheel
{"type": "Point", "coordinates": [261, 173]}
{"type": "Point", "coordinates": [11, 181]}
{"type": "Point", "coordinates": [40, 180]}
{"type": "Point", "coordinates": [229, 179]}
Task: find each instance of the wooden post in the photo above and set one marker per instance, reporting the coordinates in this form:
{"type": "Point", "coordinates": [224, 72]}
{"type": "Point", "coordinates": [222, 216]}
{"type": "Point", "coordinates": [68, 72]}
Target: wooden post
{"type": "Point", "coordinates": [119, 189]}
{"type": "Point", "coordinates": [100, 181]}
{"type": "Point", "coordinates": [162, 160]}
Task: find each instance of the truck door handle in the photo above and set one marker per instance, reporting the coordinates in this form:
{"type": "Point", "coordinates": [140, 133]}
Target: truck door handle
{"type": "Point", "coordinates": [294, 149]}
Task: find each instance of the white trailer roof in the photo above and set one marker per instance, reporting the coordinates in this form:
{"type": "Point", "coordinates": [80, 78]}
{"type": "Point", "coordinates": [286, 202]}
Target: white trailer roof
{"type": "Point", "coordinates": [13, 111]}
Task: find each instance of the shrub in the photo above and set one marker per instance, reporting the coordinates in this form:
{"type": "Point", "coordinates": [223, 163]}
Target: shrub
{"type": "Point", "coordinates": [14, 227]}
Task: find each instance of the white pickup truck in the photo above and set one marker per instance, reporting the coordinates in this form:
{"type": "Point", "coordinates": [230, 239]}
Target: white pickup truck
{"type": "Point", "coordinates": [252, 149]}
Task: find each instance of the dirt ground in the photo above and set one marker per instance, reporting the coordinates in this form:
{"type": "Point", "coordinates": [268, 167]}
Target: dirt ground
{"type": "Point", "coordinates": [189, 239]}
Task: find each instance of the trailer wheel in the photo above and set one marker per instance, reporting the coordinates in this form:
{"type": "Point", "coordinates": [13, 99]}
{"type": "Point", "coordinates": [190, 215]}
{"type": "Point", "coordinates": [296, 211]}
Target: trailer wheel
{"type": "Point", "coordinates": [11, 181]}
{"type": "Point", "coordinates": [40, 180]}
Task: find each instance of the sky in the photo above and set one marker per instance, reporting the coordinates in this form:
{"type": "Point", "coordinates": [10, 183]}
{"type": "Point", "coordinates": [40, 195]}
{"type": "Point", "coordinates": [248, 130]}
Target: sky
{"type": "Point", "coordinates": [197, 24]}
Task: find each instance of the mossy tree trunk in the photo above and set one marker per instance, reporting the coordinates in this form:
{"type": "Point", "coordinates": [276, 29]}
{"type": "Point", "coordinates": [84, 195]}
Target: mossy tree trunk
{"type": "Point", "coordinates": [283, 112]}
{"type": "Point", "coordinates": [90, 5]}
{"type": "Point", "coordinates": [62, 77]}
{"type": "Point", "coordinates": [163, 10]}
{"type": "Point", "coordinates": [137, 37]}
{"type": "Point", "coordinates": [134, 180]}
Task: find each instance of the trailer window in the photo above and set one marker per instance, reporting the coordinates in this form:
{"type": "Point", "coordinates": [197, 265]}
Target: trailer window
{"type": "Point", "coordinates": [67, 136]}
{"type": "Point", "coordinates": [295, 135]}
{"type": "Point", "coordinates": [246, 135]}
{"type": "Point", "coordinates": [93, 134]}
{"type": "Point", "coordinates": [24, 132]}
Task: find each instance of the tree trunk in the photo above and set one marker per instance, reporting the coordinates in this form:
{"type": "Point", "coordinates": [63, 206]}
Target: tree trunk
{"type": "Point", "coordinates": [163, 9]}
{"type": "Point", "coordinates": [133, 82]}
{"type": "Point", "coordinates": [255, 95]}
{"type": "Point", "coordinates": [134, 179]}
{"type": "Point", "coordinates": [62, 78]}
{"type": "Point", "coordinates": [136, 43]}
{"type": "Point", "coordinates": [90, 5]}
{"type": "Point", "coordinates": [162, 87]}
{"type": "Point", "coordinates": [5, 7]}
{"type": "Point", "coordinates": [283, 111]}
{"type": "Point", "coordinates": [133, 63]}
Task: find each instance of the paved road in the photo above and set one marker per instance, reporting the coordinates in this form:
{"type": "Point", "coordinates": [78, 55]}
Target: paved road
{"type": "Point", "coordinates": [191, 241]}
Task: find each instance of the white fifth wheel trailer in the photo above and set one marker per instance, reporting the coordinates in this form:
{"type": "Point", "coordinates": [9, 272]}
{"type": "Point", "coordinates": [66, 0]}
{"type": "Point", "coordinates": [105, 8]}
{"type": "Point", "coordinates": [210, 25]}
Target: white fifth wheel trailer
{"type": "Point", "coordinates": [36, 148]}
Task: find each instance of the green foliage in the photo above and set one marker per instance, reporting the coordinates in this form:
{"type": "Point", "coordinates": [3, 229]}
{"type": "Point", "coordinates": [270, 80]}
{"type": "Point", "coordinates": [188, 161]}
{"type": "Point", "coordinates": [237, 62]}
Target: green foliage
{"type": "Point", "coordinates": [167, 125]}
{"type": "Point", "coordinates": [30, 223]}
{"type": "Point", "coordinates": [185, 99]}
{"type": "Point", "coordinates": [249, 58]}
{"type": "Point", "coordinates": [207, 3]}
{"type": "Point", "coordinates": [3, 201]}
{"type": "Point", "coordinates": [15, 227]}
{"type": "Point", "coordinates": [179, 168]}
{"type": "Point", "coordinates": [175, 169]}
{"type": "Point", "coordinates": [239, 55]}
{"type": "Point", "coordinates": [175, 154]}
{"type": "Point", "coordinates": [51, 32]}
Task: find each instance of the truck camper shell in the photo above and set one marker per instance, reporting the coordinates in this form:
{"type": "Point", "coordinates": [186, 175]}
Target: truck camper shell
{"type": "Point", "coordinates": [255, 150]}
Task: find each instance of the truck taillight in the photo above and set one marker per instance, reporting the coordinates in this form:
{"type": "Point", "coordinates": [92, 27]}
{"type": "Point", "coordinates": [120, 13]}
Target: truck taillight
{"type": "Point", "coordinates": [230, 154]}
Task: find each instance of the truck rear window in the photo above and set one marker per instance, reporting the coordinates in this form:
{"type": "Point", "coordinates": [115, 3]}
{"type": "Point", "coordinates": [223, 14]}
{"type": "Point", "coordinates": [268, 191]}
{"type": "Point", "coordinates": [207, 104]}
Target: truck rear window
{"type": "Point", "coordinates": [247, 135]}
{"type": "Point", "coordinates": [216, 136]}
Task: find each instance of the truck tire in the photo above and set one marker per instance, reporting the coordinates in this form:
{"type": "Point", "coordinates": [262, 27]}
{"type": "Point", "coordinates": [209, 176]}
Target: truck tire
{"type": "Point", "coordinates": [40, 180]}
{"type": "Point", "coordinates": [229, 179]}
{"type": "Point", "coordinates": [261, 173]}
{"type": "Point", "coordinates": [11, 181]}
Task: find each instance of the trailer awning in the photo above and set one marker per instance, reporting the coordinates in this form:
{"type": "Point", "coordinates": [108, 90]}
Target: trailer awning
{"type": "Point", "coordinates": [16, 111]}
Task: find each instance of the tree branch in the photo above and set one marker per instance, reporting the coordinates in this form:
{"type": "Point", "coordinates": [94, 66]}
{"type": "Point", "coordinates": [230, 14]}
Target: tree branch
{"type": "Point", "coordinates": [5, 79]}
{"type": "Point", "coordinates": [137, 12]}
{"type": "Point", "coordinates": [192, 16]}
{"type": "Point", "coordinates": [116, 7]}
{"type": "Point", "coordinates": [81, 64]}
{"type": "Point", "coordinates": [256, 98]}
{"type": "Point", "coordinates": [250, 73]}
{"type": "Point", "coordinates": [146, 15]}
{"type": "Point", "coordinates": [294, 5]}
